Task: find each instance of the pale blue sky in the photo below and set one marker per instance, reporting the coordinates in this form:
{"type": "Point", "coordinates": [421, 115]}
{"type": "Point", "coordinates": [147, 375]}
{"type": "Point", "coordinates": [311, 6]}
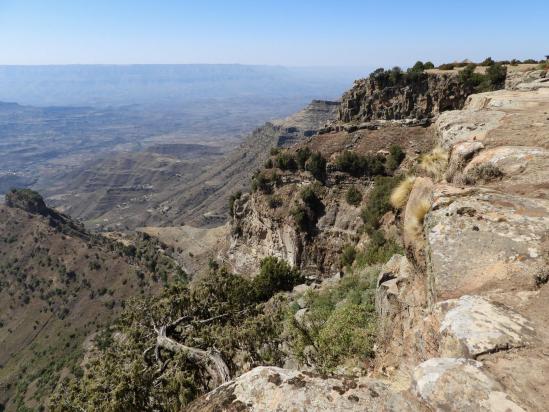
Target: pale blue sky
{"type": "Point", "coordinates": [285, 32]}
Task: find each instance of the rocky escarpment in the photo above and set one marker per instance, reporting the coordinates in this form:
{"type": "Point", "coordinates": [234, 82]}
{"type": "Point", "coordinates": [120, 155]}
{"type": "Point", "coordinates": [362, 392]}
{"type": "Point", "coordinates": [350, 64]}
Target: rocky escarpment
{"type": "Point", "coordinates": [462, 314]}
{"type": "Point", "coordinates": [471, 304]}
{"type": "Point", "coordinates": [408, 96]}
{"type": "Point", "coordinates": [259, 231]}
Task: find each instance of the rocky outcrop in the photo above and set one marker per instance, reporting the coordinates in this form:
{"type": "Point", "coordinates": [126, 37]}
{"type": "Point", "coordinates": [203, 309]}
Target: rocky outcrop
{"type": "Point", "coordinates": [276, 389]}
{"type": "Point", "coordinates": [419, 96]}
{"type": "Point", "coordinates": [463, 321]}
{"type": "Point", "coordinates": [485, 240]}
{"type": "Point", "coordinates": [259, 231]}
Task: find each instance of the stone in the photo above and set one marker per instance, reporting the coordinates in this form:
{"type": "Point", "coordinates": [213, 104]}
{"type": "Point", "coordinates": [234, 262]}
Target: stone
{"type": "Point", "coordinates": [471, 326]}
{"type": "Point", "coordinates": [457, 384]}
{"type": "Point", "coordinates": [502, 236]}
{"type": "Point", "coordinates": [276, 389]}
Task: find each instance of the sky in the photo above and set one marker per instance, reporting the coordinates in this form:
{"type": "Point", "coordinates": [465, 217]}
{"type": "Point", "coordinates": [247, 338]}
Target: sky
{"type": "Point", "coordinates": [282, 32]}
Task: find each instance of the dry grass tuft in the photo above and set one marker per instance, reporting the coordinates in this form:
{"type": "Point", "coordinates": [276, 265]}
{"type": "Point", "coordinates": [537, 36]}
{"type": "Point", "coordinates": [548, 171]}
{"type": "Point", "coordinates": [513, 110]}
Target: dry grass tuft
{"type": "Point", "coordinates": [413, 225]}
{"type": "Point", "coordinates": [400, 194]}
{"type": "Point", "coordinates": [435, 163]}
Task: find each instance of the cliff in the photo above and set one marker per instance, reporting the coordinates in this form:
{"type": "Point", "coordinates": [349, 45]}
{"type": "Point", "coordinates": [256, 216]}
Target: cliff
{"type": "Point", "coordinates": [462, 311]}
{"type": "Point", "coordinates": [383, 96]}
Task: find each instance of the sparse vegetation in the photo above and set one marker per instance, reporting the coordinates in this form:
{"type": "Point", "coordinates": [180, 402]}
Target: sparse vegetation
{"type": "Point", "coordinates": [316, 164]}
{"type": "Point", "coordinates": [286, 161]}
{"type": "Point", "coordinates": [348, 254]}
{"type": "Point", "coordinates": [378, 201]}
{"type": "Point", "coordinates": [222, 311]}
{"type": "Point", "coordinates": [339, 326]}
{"type": "Point", "coordinates": [353, 196]}
{"type": "Point", "coordinates": [307, 213]}
{"type": "Point", "coordinates": [379, 250]}
{"type": "Point", "coordinates": [232, 199]}
{"type": "Point", "coordinates": [395, 158]}
{"type": "Point", "coordinates": [264, 183]}
{"type": "Point", "coordinates": [358, 165]}
{"type": "Point", "coordinates": [302, 155]}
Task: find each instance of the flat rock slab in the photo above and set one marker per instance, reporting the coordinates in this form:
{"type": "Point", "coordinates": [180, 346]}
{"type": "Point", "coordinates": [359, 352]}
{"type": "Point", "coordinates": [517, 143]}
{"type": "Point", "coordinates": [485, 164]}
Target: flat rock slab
{"type": "Point", "coordinates": [276, 389]}
{"type": "Point", "coordinates": [481, 240]}
{"type": "Point", "coordinates": [457, 384]}
{"type": "Point", "coordinates": [471, 326]}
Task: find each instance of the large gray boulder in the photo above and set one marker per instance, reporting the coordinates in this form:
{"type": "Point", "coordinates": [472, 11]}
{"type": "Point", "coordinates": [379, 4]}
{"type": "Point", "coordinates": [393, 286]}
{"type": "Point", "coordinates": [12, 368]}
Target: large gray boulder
{"type": "Point", "coordinates": [471, 326]}
{"type": "Point", "coordinates": [275, 389]}
{"type": "Point", "coordinates": [483, 240]}
{"type": "Point", "coordinates": [454, 384]}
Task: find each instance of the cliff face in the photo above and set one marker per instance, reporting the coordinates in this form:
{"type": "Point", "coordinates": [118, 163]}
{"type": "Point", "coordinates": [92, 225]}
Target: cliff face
{"type": "Point", "coordinates": [462, 313]}
{"type": "Point", "coordinates": [259, 231]}
{"type": "Point", "coordinates": [420, 96]}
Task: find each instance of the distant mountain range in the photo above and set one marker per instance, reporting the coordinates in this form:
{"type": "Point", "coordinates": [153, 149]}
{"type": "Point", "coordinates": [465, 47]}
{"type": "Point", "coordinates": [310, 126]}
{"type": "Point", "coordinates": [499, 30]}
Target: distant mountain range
{"type": "Point", "coordinates": [101, 85]}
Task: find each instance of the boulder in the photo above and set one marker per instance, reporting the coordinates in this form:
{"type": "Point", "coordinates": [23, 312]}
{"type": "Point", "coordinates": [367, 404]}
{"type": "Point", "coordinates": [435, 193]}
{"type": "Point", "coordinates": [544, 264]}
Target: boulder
{"type": "Point", "coordinates": [276, 389]}
{"type": "Point", "coordinates": [471, 326]}
{"type": "Point", "coordinates": [456, 384]}
{"type": "Point", "coordinates": [484, 240]}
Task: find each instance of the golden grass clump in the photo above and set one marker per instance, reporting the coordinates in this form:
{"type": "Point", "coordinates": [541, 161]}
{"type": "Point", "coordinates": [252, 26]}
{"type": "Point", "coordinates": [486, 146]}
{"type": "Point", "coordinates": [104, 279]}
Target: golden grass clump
{"type": "Point", "coordinates": [400, 194]}
{"type": "Point", "coordinates": [435, 163]}
{"type": "Point", "coordinates": [413, 224]}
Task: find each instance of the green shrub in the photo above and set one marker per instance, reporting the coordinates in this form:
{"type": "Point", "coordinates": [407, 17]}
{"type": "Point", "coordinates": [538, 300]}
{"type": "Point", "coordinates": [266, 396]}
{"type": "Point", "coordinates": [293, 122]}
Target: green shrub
{"type": "Point", "coordinates": [274, 151]}
{"type": "Point", "coordinates": [269, 164]}
{"type": "Point", "coordinates": [301, 217]}
{"type": "Point", "coordinates": [379, 250]}
{"type": "Point", "coordinates": [358, 165]}
{"type": "Point", "coordinates": [264, 183]}
{"type": "Point", "coordinates": [496, 75]}
{"type": "Point", "coordinates": [275, 275]}
{"type": "Point", "coordinates": [285, 161]}
{"type": "Point", "coordinates": [395, 158]}
{"type": "Point", "coordinates": [378, 201]}
{"type": "Point", "coordinates": [488, 62]}
{"type": "Point", "coordinates": [302, 155]}
{"type": "Point", "coordinates": [353, 196]}
{"type": "Point", "coordinates": [446, 66]}
{"type": "Point", "coordinates": [311, 200]}
{"type": "Point", "coordinates": [340, 323]}
{"type": "Point", "coordinates": [348, 255]}
{"type": "Point", "coordinates": [232, 199]}
{"type": "Point", "coordinates": [316, 164]}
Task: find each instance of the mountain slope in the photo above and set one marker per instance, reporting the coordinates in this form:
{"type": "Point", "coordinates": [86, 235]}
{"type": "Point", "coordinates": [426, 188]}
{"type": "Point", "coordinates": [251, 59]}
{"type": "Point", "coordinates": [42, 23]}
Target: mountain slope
{"type": "Point", "coordinates": [59, 285]}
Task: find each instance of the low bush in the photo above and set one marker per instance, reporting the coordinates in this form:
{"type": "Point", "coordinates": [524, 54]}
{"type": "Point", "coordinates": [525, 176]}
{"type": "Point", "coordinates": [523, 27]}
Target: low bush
{"type": "Point", "coordinates": [379, 250]}
{"type": "Point", "coordinates": [357, 165]}
{"type": "Point", "coordinates": [275, 275]}
{"type": "Point", "coordinates": [232, 199]}
{"type": "Point", "coordinates": [353, 196]}
{"type": "Point", "coordinates": [378, 201]}
{"type": "Point", "coordinates": [302, 155]}
{"type": "Point", "coordinates": [348, 255]}
{"type": "Point", "coordinates": [339, 326]}
{"type": "Point", "coordinates": [316, 164]}
{"type": "Point", "coordinates": [286, 161]}
{"type": "Point", "coordinates": [394, 159]}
